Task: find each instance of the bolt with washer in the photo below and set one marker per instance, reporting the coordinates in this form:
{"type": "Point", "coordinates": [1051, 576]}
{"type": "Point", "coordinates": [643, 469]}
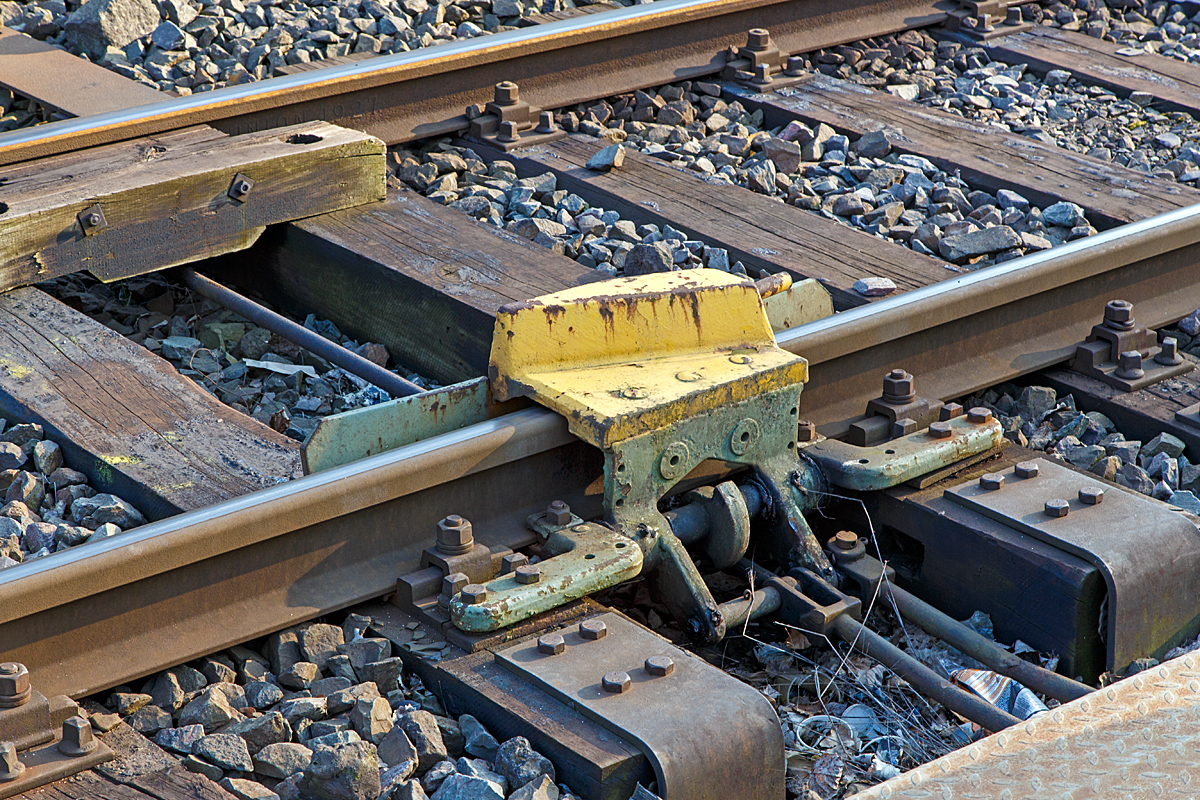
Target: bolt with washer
{"type": "Point", "coordinates": [1129, 365]}
{"type": "Point", "coordinates": [1026, 469]}
{"type": "Point", "coordinates": [593, 629]}
{"type": "Point", "coordinates": [455, 536]}
{"type": "Point", "coordinates": [15, 689]}
{"type": "Point", "coordinates": [10, 765]}
{"type": "Point", "coordinates": [558, 513]}
{"type": "Point", "coordinates": [1057, 508]}
{"type": "Point", "coordinates": [77, 738]}
{"type": "Point", "coordinates": [616, 682]}
{"type": "Point", "coordinates": [659, 666]}
{"type": "Point", "coordinates": [551, 644]}
{"type": "Point", "coordinates": [1091, 495]}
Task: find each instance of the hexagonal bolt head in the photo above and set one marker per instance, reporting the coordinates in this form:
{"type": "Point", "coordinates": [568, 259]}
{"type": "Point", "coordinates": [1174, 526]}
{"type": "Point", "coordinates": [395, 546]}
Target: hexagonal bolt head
{"type": "Point", "coordinates": [903, 427]}
{"type": "Point", "coordinates": [795, 66]}
{"type": "Point", "coordinates": [659, 666]}
{"type": "Point", "coordinates": [511, 561]}
{"type": "Point", "coordinates": [1168, 354]}
{"type": "Point", "coordinates": [807, 431]}
{"type": "Point", "coordinates": [558, 513]}
{"type": "Point", "coordinates": [940, 430]}
{"type": "Point", "coordinates": [1118, 314]}
{"type": "Point", "coordinates": [899, 387]}
{"type": "Point", "coordinates": [616, 682]}
{"type": "Point", "coordinates": [845, 540]}
{"type": "Point", "coordinates": [507, 93]}
{"type": "Point", "coordinates": [546, 123]}
{"type": "Point", "coordinates": [1091, 495]}
{"type": "Point", "coordinates": [14, 685]}
{"type": "Point", "coordinates": [950, 411]}
{"type": "Point", "coordinates": [1026, 469]}
{"type": "Point", "coordinates": [758, 39]}
{"type": "Point", "coordinates": [453, 584]}
{"type": "Point", "coordinates": [10, 766]}
{"type": "Point", "coordinates": [551, 644]}
{"type": "Point", "coordinates": [455, 536]}
{"type": "Point", "coordinates": [77, 738]}
{"type": "Point", "coordinates": [593, 629]}
{"type": "Point", "coordinates": [1057, 508]}
{"type": "Point", "coordinates": [474, 593]}
{"type": "Point", "coordinates": [979, 415]}
{"type": "Point", "coordinates": [1129, 365]}
{"type": "Point", "coordinates": [528, 573]}
{"type": "Point", "coordinates": [1012, 16]}
{"type": "Point", "coordinates": [991, 481]}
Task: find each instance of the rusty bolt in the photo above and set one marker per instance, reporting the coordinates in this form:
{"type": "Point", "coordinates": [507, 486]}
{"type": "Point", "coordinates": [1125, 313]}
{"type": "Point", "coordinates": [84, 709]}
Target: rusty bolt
{"type": "Point", "coordinates": [979, 415]}
{"type": "Point", "coordinates": [949, 411]}
{"type": "Point", "coordinates": [93, 219]}
{"type": "Point", "coordinates": [473, 594]}
{"type": "Point", "coordinates": [455, 536]}
{"type": "Point", "coordinates": [758, 39]}
{"type": "Point", "coordinates": [528, 573]}
{"type": "Point", "coordinates": [1129, 365]}
{"type": "Point", "coordinates": [511, 561]}
{"type": "Point", "coordinates": [1091, 495]}
{"type": "Point", "coordinates": [633, 393]}
{"type": "Point", "coordinates": [10, 766]}
{"type": "Point", "coordinates": [593, 629]}
{"type": "Point", "coordinates": [1012, 16]}
{"type": "Point", "coordinates": [1057, 508]}
{"type": "Point", "coordinates": [795, 66]}
{"type": "Point", "coordinates": [14, 685]}
{"type": "Point", "coordinates": [509, 132]}
{"type": "Point", "coordinates": [903, 427]}
{"type": "Point", "coordinates": [506, 94]}
{"type": "Point", "coordinates": [454, 583]}
{"type": "Point", "coordinates": [77, 738]}
{"type": "Point", "coordinates": [551, 644]}
{"type": "Point", "coordinates": [558, 513]}
{"type": "Point", "coordinates": [991, 481]}
{"type": "Point", "coordinates": [616, 682]}
{"type": "Point", "coordinates": [845, 540]}
{"type": "Point", "coordinates": [1026, 469]}
{"type": "Point", "coordinates": [807, 431]}
{"type": "Point", "coordinates": [1118, 314]}
{"type": "Point", "coordinates": [1168, 355]}
{"type": "Point", "coordinates": [546, 123]}
{"type": "Point", "coordinates": [660, 666]}
{"type": "Point", "coordinates": [762, 75]}
{"type": "Point", "coordinates": [898, 387]}
{"type": "Point", "coordinates": [940, 430]}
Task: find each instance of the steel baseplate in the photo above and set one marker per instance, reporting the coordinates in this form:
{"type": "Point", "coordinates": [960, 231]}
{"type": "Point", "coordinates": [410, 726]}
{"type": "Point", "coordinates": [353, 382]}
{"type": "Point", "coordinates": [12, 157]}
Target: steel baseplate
{"type": "Point", "coordinates": [708, 735]}
{"type": "Point", "coordinates": [663, 372]}
{"type": "Point", "coordinates": [1148, 554]}
{"type": "Point", "coordinates": [1135, 740]}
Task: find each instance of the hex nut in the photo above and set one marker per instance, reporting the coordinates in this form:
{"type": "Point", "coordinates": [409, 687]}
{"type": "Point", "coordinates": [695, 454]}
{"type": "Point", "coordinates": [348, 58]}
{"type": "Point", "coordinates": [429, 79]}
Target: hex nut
{"type": "Point", "coordinates": [558, 513]}
{"type": "Point", "coordinates": [455, 536]}
{"type": "Point", "coordinates": [77, 738]}
{"type": "Point", "coordinates": [616, 682]}
{"type": "Point", "coordinates": [551, 644]}
{"type": "Point", "coordinates": [15, 689]}
{"type": "Point", "coordinates": [660, 666]}
{"type": "Point", "coordinates": [1057, 508]}
{"type": "Point", "coordinates": [528, 573]}
{"type": "Point", "coordinates": [903, 427]}
{"type": "Point", "coordinates": [757, 38]}
{"type": "Point", "coordinates": [898, 387]}
{"type": "Point", "coordinates": [845, 540]}
{"type": "Point", "coordinates": [593, 629]}
{"type": "Point", "coordinates": [10, 765]}
{"type": "Point", "coordinates": [506, 93]}
{"type": "Point", "coordinates": [807, 431]}
{"type": "Point", "coordinates": [940, 430]}
{"type": "Point", "coordinates": [1119, 313]}
{"type": "Point", "coordinates": [474, 593]}
{"type": "Point", "coordinates": [1091, 495]}
{"type": "Point", "coordinates": [991, 481]}
{"type": "Point", "coordinates": [979, 415]}
{"type": "Point", "coordinates": [1026, 469]}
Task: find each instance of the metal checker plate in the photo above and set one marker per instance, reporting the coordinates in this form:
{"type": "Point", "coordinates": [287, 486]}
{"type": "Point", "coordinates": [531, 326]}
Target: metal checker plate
{"type": "Point", "coordinates": [1149, 554]}
{"type": "Point", "coordinates": [696, 715]}
{"type": "Point", "coordinates": [1135, 740]}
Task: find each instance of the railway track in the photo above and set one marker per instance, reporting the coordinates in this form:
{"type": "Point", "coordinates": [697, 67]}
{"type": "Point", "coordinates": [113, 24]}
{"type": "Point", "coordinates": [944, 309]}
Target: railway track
{"type": "Point", "coordinates": [457, 526]}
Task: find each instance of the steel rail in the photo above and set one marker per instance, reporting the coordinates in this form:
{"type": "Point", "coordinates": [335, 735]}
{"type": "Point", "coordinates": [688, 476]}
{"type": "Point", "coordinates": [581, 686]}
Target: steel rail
{"type": "Point", "coordinates": [105, 613]}
{"type": "Point", "coordinates": [426, 92]}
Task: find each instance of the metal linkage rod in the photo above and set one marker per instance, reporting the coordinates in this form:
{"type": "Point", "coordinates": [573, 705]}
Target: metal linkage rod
{"type": "Point", "coordinates": [313, 342]}
{"type": "Point", "coordinates": [982, 649]}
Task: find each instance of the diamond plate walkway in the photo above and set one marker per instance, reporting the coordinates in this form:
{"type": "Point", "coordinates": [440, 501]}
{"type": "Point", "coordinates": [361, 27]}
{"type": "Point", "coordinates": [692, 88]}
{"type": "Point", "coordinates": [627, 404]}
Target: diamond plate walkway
{"type": "Point", "coordinates": [1139, 738]}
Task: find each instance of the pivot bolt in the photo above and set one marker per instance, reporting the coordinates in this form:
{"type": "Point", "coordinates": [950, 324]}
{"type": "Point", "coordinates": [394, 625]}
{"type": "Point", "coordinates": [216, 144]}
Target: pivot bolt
{"type": "Point", "coordinates": [1091, 495]}
{"type": "Point", "coordinates": [1057, 508]}
{"type": "Point", "coordinates": [1168, 354]}
{"type": "Point", "coordinates": [659, 666]}
{"type": "Point", "coordinates": [845, 540]}
{"type": "Point", "coordinates": [1129, 365]}
{"type": "Point", "coordinates": [1026, 469]}
{"type": "Point", "coordinates": [10, 766]}
{"type": "Point", "coordinates": [940, 430]}
{"type": "Point", "coordinates": [77, 738]}
{"type": "Point", "coordinates": [551, 644]}
{"type": "Point", "coordinates": [528, 573]}
{"type": "Point", "coordinates": [474, 593]}
{"type": "Point", "coordinates": [616, 682]}
{"type": "Point", "coordinates": [506, 93]}
{"type": "Point", "coordinates": [1118, 314]}
{"type": "Point", "coordinates": [455, 536]}
{"type": "Point", "coordinates": [14, 685]}
{"type": "Point", "coordinates": [558, 513]}
{"type": "Point", "coordinates": [898, 387]}
{"type": "Point", "coordinates": [593, 629]}
{"type": "Point", "coordinates": [979, 415]}
{"type": "Point", "coordinates": [991, 481]}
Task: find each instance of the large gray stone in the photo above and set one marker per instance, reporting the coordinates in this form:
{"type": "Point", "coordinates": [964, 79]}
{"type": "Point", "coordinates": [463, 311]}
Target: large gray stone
{"type": "Point", "coordinates": [874, 144]}
{"type": "Point", "coordinates": [320, 641]}
{"type": "Point", "coordinates": [92, 512]}
{"type": "Point", "coordinates": [11, 456]}
{"type": "Point", "coordinates": [345, 699]}
{"type": "Point", "coordinates": [211, 709]}
{"type": "Point", "coordinates": [542, 788]}
{"type": "Point", "coordinates": [180, 740]}
{"type": "Point", "coordinates": [396, 750]}
{"type": "Point", "coordinates": [644, 259]}
{"type": "Point", "coordinates": [478, 742]}
{"type": "Point", "coordinates": [1064, 214]}
{"type": "Point", "coordinates": [611, 157]}
{"type": "Point", "coordinates": [468, 787]}
{"type": "Point", "coordinates": [347, 772]}
{"type": "Point", "coordinates": [977, 243]}
{"type": "Point", "coordinates": [262, 731]}
{"type": "Point", "coordinates": [519, 763]}
{"type": "Point", "coordinates": [384, 674]}
{"type": "Point", "coordinates": [1034, 402]}
{"type": "Point", "coordinates": [365, 651]}
{"type": "Point", "coordinates": [176, 686]}
{"type": "Point", "coordinates": [372, 718]}
{"type": "Point", "coordinates": [422, 730]}
{"type": "Point", "coordinates": [47, 457]}
{"type": "Point", "coordinates": [1163, 443]}
{"type": "Point", "coordinates": [281, 759]}
{"type": "Point", "coordinates": [226, 751]}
